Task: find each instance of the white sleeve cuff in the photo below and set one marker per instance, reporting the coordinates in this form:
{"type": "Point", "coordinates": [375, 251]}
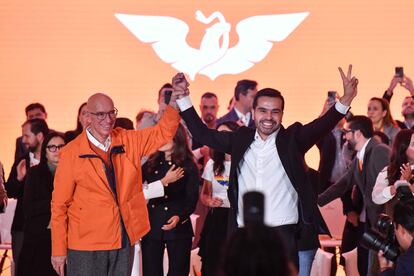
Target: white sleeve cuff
{"type": "Point", "coordinates": [341, 108]}
{"type": "Point", "coordinates": [184, 103]}
{"type": "Point", "coordinates": [153, 190]}
{"type": "Point", "coordinates": [197, 154]}
{"type": "Point", "coordinates": [386, 193]}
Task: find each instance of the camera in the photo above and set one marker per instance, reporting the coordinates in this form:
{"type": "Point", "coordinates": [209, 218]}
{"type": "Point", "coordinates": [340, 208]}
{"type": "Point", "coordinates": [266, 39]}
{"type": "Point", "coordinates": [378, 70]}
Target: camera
{"type": "Point", "coordinates": [383, 238]}
{"type": "Point", "coordinates": [253, 209]}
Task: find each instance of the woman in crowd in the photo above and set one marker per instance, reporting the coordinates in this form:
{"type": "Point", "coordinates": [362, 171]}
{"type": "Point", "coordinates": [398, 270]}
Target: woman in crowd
{"type": "Point", "coordinates": [81, 123]}
{"type": "Point", "coordinates": [214, 195]}
{"type": "Point", "coordinates": [170, 215]}
{"type": "Point", "coordinates": [380, 114]}
{"type": "Point", "coordinates": [36, 250]}
{"type": "Point", "coordinates": [402, 156]}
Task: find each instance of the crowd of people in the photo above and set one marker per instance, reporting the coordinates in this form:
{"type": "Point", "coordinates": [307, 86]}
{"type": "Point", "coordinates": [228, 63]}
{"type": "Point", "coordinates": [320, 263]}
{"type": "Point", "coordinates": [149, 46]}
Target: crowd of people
{"type": "Point", "coordinates": [87, 198]}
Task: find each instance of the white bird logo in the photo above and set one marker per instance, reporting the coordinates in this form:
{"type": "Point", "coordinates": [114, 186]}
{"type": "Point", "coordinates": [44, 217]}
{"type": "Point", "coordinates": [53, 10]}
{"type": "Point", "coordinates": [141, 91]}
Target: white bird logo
{"type": "Point", "coordinates": [168, 37]}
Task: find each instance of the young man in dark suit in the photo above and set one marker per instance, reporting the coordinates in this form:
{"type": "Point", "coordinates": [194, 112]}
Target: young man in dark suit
{"type": "Point", "coordinates": [241, 113]}
{"type": "Point", "coordinates": [270, 159]}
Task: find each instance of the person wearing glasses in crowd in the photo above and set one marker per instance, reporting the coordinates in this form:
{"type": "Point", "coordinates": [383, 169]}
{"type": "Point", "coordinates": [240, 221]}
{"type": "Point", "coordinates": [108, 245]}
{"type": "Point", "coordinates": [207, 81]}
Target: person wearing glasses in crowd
{"type": "Point", "coordinates": [98, 206]}
{"type": "Point", "coordinates": [371, 158]}
{"type": "Point", "coordinates": [36, 250]}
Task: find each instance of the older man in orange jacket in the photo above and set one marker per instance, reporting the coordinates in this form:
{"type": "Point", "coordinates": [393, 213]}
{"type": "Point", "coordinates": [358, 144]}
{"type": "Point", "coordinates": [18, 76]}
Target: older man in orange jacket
{"type": "Point", "coordinates": [98, 205]}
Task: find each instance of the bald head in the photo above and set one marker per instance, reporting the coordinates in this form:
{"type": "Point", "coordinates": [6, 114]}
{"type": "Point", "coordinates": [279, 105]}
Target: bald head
{"type": "Point", "coordinates": [98, 101]}
{"type": "Point", "coordinates": [102, 115]}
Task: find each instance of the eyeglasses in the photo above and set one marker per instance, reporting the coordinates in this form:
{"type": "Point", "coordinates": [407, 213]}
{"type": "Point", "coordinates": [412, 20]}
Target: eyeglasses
{"type": "Point", "coordinates": [54, 148]}
{"type": "Point", "coordinates": [102, 115]}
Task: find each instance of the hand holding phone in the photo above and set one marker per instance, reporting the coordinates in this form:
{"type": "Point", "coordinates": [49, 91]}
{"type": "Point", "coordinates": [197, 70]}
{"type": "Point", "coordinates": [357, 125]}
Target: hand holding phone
{"type": "Point", "coordinates": [399, 72]}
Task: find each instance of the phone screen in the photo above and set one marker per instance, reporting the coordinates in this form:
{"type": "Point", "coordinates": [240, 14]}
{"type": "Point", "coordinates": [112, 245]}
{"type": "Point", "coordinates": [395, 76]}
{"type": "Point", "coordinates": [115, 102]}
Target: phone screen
{"type": "Point", "coordinates": [167, 96]}
{"type": "Point", "coordinates": [399, 72]}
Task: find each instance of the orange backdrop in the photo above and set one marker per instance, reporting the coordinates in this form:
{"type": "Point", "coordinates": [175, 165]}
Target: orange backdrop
{"type": "Point", "coordinates": [60, 52]}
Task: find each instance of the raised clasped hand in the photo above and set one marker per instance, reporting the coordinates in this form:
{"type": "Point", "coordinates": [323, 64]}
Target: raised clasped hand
{"type": "Point", "coordinates": [180, 86]}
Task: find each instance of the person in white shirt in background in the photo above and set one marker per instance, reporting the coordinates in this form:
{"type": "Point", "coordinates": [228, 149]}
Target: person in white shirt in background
{"type": "Point", "coordinates": [214, 195]}
{"type": "Point", "coordinates": [402, 157]}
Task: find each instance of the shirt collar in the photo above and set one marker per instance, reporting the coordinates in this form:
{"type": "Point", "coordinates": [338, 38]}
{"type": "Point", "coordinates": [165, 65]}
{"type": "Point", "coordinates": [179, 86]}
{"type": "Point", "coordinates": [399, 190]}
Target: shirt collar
{"type": "Point", "coordinates": [241, 115]}
{"type": "Point", "coordinates": [361, 153]}
{"type": "Point", "coordinates": [271, 137]}
{"type": "Point", "coordinates": [33, 160]}
{"type": "Point", "coordinates": [105, 146]}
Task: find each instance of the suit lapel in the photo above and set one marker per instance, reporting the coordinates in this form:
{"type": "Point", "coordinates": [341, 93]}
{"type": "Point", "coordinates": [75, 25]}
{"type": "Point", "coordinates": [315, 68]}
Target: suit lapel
{"type": "Point", "coordinates": [367, 156]}
{"type": "Point", "coordinates": [282, 146]}
{"type": "Point", "coordinates": [245, 137]}
{"type": "Point", "coordinates": [233, 115]}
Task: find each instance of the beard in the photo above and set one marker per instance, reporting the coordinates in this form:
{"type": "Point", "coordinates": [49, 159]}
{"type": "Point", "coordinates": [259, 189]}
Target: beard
{"type": "Point", "coordinates": [267, 127]}
{"type": "Point", "coordinates": [408, 115]}
{"type": "Point", "coordinates": [350, 145]}
{"type": "Point", "coordinates": [32, 148]}
{"type": "Point", "coordinates": [208, 118]}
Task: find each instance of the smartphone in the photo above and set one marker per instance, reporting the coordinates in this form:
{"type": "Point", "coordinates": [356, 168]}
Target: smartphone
{"type": "Point", "coordinates": [167, 96]}
{"type": "Point", "coordinates": [331, 97]}
{"type": "Point", "coordinates": [399, 72]}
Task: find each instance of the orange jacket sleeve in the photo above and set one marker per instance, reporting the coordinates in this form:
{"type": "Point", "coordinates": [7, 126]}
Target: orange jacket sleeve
{"type": "Point", "coordinates": [152, 138]}
{"type": "Point", "coordinates": [64, 186]}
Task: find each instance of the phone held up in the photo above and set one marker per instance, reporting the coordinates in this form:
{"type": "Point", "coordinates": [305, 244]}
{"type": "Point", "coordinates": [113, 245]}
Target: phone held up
{"type": "Point", "coordinates": [167, 96]}
{"type": "Point", "coordinates": [399, 72]}
{"type": "Point", "coordinates": [331, 97]}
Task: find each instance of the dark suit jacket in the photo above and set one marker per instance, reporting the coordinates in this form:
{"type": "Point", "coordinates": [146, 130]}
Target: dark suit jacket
{"type": "Point", "coordinates": [37, 196]}
{"type": "Point", "coordinates": [180, 199]}
{"type": "Point", "coordinates": [232, 116]}
{"type": "Point", "coordinates": [327, 146]}
{"type": "Point", "coordinates": [21, 150]}
{"type": "Point", "coordinates": [15, 189]}
{"type": "Point", "coordinates": [375, 159]}
{"type": "Point", "coordinates": [292, 143]}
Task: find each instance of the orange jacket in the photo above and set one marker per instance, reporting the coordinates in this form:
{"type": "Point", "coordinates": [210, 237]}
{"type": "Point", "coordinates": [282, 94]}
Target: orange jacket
{"type": "Point", "coordinates": [85, 212]}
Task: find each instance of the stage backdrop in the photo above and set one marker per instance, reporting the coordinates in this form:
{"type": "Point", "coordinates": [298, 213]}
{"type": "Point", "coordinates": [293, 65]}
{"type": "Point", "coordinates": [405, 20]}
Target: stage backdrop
{"type": "Point", "coordinates": [60, 52]}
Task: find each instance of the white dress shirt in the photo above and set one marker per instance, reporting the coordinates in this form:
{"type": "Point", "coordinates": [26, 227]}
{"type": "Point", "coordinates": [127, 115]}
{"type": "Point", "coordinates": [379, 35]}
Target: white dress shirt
{"type": "Point", "coordinates": [360, 155]}
{"type": "Point", "coordinates": [262, 170]}
{"type": "Point", "coordinates": [245, 118]}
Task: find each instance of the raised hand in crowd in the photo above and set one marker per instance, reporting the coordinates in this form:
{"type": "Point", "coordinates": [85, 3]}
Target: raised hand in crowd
{"type": "Point", "coordinates": [172, 175]}
{"type": "Point", "coordinates": [405, 82]}
{"type": "Point", "coordinates": [350, 84]}
{"type": "Point", "coordinates": [180, 86]}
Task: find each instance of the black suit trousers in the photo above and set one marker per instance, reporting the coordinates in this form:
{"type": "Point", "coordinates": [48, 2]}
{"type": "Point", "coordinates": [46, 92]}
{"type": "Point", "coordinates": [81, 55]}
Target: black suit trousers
{"type": "Point", "coordinates": [179, 252]}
